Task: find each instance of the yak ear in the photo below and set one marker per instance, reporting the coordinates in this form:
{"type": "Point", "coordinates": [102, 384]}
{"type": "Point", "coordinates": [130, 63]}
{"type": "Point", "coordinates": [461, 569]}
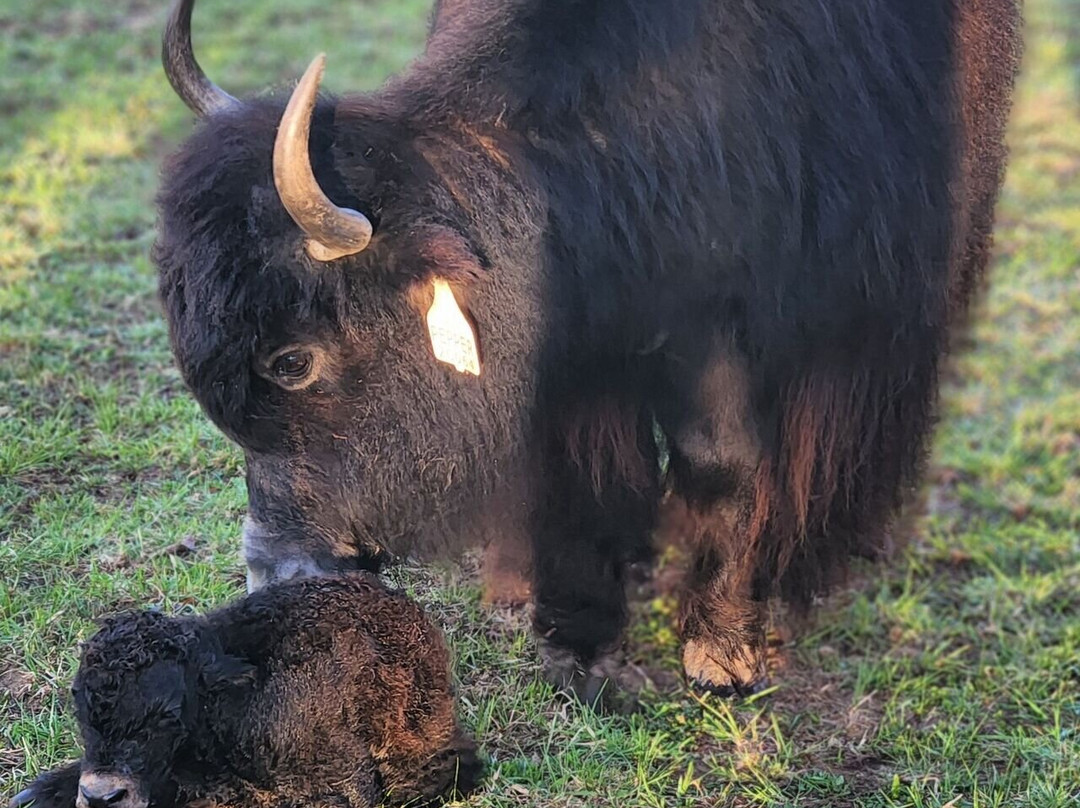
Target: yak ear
{"type": "Point", "coordinates": [445, 253]}
{"type": "Point", "coordinates": [439, 253]}
{"type": "Point", "coordinates": [448, 266]}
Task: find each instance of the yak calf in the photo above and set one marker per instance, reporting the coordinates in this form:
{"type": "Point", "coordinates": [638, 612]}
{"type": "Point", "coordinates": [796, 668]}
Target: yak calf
{"type": "Point", "coordinates": [330, 692]}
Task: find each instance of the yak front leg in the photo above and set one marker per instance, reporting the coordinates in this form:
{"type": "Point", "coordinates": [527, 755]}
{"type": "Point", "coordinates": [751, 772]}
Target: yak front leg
{"type": "Point", "coordinates": [722, 622]}
{"type": "Point", "coordinates": [580, 612]}
{"type": "Point", "coordinates": [715, 454]}
{"type": "Point", "coordinates": [597, 516]}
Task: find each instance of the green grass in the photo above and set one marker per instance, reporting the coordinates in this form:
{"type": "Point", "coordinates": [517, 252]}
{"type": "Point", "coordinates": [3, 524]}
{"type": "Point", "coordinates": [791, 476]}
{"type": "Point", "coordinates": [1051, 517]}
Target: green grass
{"type": "Point", "coordinates": [949, 678]}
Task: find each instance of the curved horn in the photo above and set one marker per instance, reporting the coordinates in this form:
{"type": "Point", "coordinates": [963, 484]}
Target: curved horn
{"type": "Point", "coordinates": [333, 232]}
{"type": "Point", "coordinates": [201, 95]}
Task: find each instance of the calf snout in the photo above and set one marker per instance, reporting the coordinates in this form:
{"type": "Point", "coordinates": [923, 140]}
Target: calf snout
{"type": "Point", "coordinates": [106, 790]}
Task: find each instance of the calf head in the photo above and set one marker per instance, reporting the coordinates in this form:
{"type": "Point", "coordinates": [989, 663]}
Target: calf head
{"type": "Point", "coordinates": [137, 694]}
{"type": "Point", "coordinates": [301, 323]}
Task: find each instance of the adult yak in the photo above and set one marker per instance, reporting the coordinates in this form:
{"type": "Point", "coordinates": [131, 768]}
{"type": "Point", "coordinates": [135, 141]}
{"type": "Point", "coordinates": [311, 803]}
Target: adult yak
{"type": "Point", "coordinates": [466, 298]}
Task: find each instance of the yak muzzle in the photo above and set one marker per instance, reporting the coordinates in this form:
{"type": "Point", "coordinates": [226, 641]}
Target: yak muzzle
{"type": "Point", "coordinates": [281, 555]}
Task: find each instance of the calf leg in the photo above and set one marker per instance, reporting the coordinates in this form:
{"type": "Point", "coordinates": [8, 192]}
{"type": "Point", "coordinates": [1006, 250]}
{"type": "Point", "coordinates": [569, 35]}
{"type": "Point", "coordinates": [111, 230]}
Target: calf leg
{"type": "Point", "coordinates": [598, 513]}
{"type": "Point", "coordinates": [53, 789]}
{"type": "Point", "coordinates": [454, 771]}
{"type": "Point", "coordinates": [364, 788]}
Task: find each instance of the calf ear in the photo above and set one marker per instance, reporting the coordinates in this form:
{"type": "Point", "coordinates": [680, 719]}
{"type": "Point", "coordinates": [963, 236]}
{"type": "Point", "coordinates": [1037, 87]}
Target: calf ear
{"type": "Point", "coordinates": [222, 670]}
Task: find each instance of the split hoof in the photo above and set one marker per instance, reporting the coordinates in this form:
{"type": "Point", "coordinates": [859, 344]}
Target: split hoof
{"type": "Point", "coordinates": [727, 673]}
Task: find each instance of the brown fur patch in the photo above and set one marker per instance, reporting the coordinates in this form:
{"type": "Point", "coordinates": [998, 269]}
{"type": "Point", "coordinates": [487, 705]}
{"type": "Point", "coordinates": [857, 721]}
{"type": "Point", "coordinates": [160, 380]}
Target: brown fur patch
{"type": "Point", "coordinates": [988, 48]}
{"type": "Point", "coordinates": [488, 145]}
{"type": "Point", "coordinates": [818, 413]}
{"type": "Point", "coordinates": [443, 155]}
{"type": "Point", "coordinates": [763, 494]}
{"type": "Point", "coordinates": [432, 152]}
{"type": "Point", "coordinates": [828, 430]}
{"type": "Point", "coordinates": [506, 571]}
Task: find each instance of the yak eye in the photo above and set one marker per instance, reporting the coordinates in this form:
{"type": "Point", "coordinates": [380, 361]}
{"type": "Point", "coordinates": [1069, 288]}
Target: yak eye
{"type": "Point", "coordinates": [293, 366]}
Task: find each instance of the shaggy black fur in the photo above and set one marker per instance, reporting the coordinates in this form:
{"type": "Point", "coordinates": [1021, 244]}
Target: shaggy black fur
{"type": "Point", "coordinates": [326, 692]}
{"type": "Point", "coordinates": [752, 222]}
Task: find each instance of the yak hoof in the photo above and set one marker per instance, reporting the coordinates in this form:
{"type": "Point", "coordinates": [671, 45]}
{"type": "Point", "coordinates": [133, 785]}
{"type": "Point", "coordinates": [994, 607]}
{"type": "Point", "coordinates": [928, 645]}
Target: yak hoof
{"type": "Point", "coordinates": [724, 672]}
{"type": "Point", "coordinates": [594, 684]}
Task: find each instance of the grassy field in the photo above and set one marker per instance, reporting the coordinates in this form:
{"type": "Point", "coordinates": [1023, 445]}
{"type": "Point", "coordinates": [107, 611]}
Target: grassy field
{"type": "Point", "coordinates": [950, 679]}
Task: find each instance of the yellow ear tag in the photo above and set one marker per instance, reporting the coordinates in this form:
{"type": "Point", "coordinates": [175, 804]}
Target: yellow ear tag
{"type": "Point", "coordinates": [452, 336]}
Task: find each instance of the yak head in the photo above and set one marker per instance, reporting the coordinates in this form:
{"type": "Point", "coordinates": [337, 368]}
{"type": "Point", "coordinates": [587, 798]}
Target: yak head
{"type": "Point", "coordinates": [320, 261]}
{"type": "Point", "coordinates": [142, 680]}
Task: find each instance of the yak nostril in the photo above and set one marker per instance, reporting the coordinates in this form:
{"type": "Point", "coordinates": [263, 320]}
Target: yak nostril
{"type": "Point", "coordinates": [115, 796]}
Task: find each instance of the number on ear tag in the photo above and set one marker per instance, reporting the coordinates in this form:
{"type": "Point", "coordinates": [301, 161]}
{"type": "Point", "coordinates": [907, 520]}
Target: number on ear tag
{"type": "Point", "coordinates": [452, 337]}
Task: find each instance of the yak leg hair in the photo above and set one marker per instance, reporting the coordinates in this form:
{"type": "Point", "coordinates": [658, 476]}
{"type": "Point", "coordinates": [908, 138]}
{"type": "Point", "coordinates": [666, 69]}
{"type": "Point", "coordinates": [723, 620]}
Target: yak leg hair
{"type": "Point", "coordinates": [722, 614]}
{"type": "Point", "coordinates": [714, 454]}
